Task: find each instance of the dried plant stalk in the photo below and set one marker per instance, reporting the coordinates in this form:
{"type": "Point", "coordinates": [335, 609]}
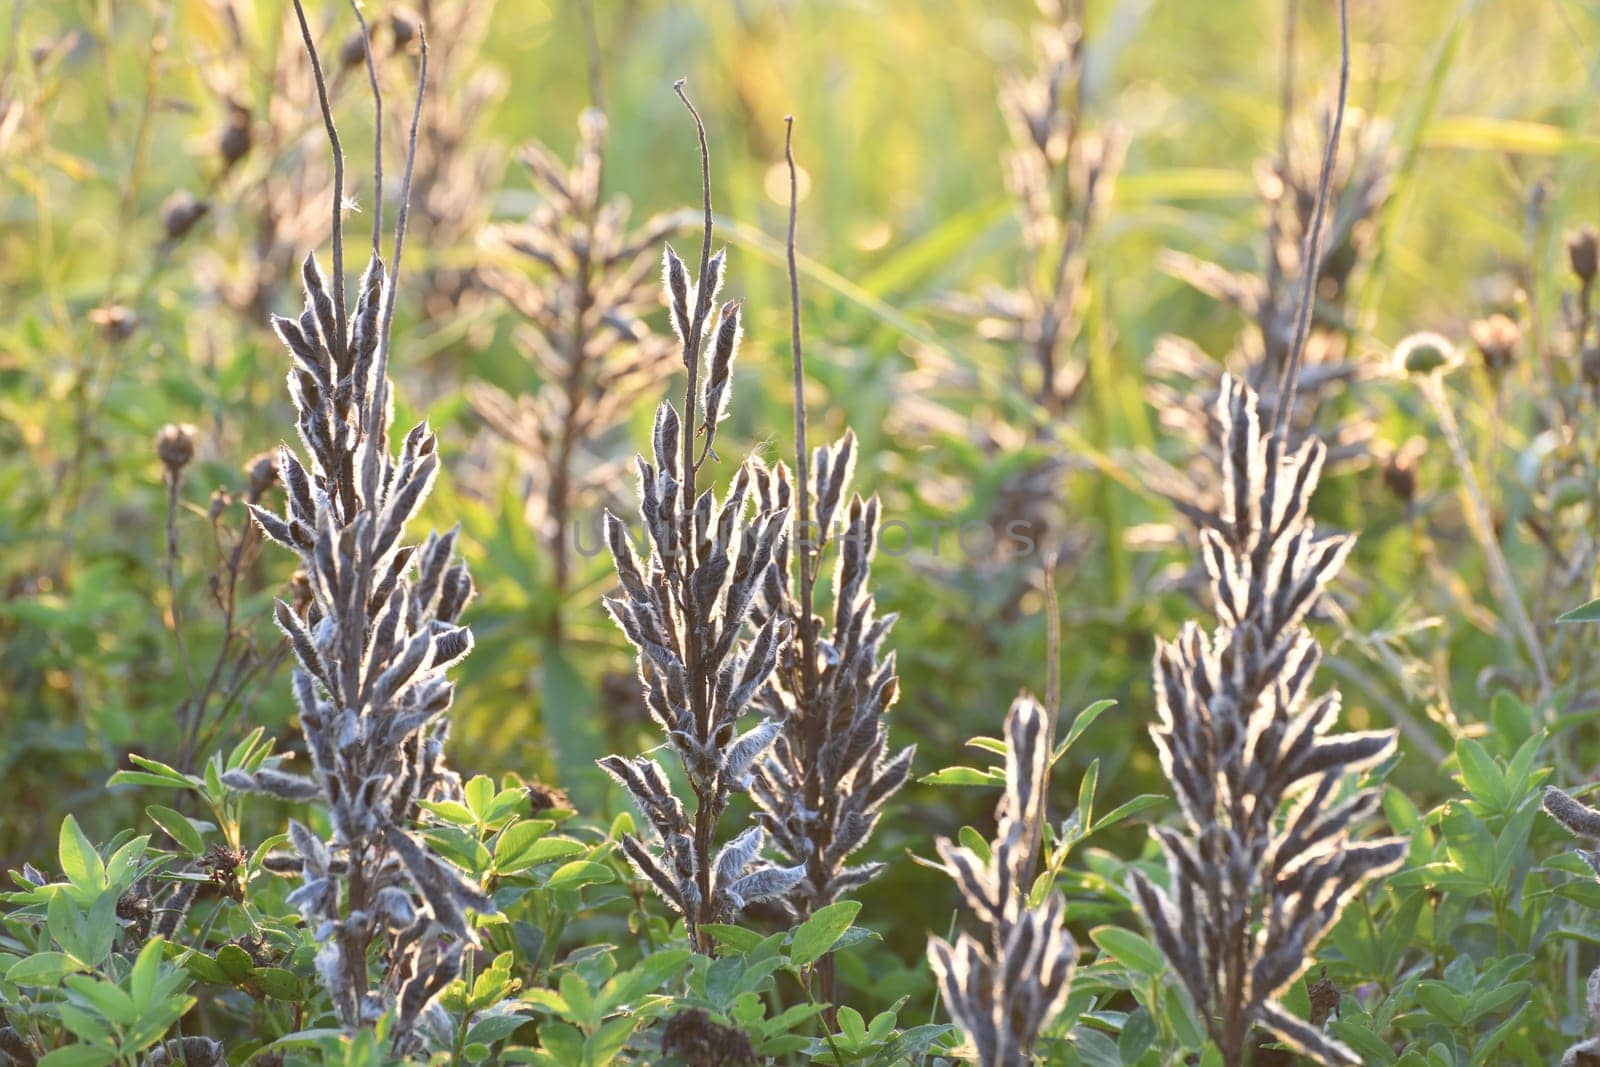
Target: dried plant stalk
{"type": "Point", "coordinates": [1254, 882]}
{"type": "Point", "coordinates": [1005, 995]}
{"type": "Point", "coordinates": [371, 652]}
{"type": "Point", "coordinates": [822, 788]}
{"type": "Point", "coordinates": [686, 610]}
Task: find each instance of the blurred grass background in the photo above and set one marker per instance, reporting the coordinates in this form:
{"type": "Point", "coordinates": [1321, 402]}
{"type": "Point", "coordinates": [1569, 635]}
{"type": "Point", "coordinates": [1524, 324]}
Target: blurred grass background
{"type": "Point", "coordinates": [901, 142]}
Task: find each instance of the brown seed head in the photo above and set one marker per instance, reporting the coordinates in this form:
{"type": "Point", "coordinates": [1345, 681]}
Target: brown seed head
{"type": "Point", "coordinates": [233, 144]}
{"type": "Point", "coordinates": [354, 50]}
{"type": "Point", "coordinates": [403, 24]}
{"type": "Point", "coordinates": [1496, 337]}
{"type": "Point", "coordinates": [181, 211]}
{"type": "Point", "coordinates": [175, 445]}
{"type": "Point", "coordinates": [1583, 250]}
{"type": "Point", "coordinates": [542, 797]}
{"type": "Point", "coordinates": [263, 473]}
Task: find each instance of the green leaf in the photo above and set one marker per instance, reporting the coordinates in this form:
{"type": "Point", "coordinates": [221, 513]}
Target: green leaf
{"type": "Point", "coordinates": [742, 940]}
{"type": "Point", "coordinates": [178, 827]}
{"type": "Point", "coordinates": [1589, 612]}
{"type": "Point", "coordinates": [235, 963]}
{"type": "Point", "coordinates": [1128, 809]}
{"type": "Point", "coordinates": [480, 794]}
{"type": "Point", "coordinates": [276, 982]}
{"type": "Point", "coordinates": [1081, 722]}
{"type": "Point", "coordinates": [79, 861]}
{"type": "Point", "coordinates": [103, 997]}
{"type": "Point", "coordinates": [579, 873]}
{"type": "Point", "coordinates": [963, 776]}
{"type": "Point", "coordinates": [43, 969]}
{"type": "Point", "coordinates": [1129, 949]}
{"type": "Point", "coordinates": [78, 1056]}
{"type": "Point", "coordinates": [814, 937]}
{"type": "Point", "coordinates": [1480, 774]}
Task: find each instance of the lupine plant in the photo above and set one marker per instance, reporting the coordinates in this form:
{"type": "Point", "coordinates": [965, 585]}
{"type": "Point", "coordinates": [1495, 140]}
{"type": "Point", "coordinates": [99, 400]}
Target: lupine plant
{"type": "Point", "coordinates": [371, 652]}
{"type": "Point", "coordinates": [687, 609]}
{"type": "Point", "coordinates": [1004, 992]}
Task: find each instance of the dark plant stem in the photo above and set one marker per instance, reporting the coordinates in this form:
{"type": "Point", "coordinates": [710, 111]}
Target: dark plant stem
{"type": "Point", "coordinates": [805, 549]}
{"type": "Point", "coordinates": [1311, 260]}
{"type": "Point", "coordinates": [705, 816]}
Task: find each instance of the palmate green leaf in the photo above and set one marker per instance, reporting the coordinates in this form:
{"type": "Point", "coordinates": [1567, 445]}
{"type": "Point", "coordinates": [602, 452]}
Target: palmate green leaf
{"type": "Point", "coordinates": [814, 937]}
{"type": "Point", "coordinates": [104, 997]}
{"type": "Point", "coordinates": [1481, 775]}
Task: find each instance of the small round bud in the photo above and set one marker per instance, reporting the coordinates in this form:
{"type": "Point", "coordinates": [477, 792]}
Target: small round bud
{"type": "Point", "coordinates": [116, 322]}
{"type": "Point", "coordinates": [1496, 337]}
{"type": "Point", "coordinates": [1583, 250]}
{"type": "Point", "coordinates": [175, 445]}
{"type": "Point", "coordinates": [353, 52]}
{"type": "Point", "coordinates": [1400, 475]}
{"type": "Point", "coordinates": [262, 470]}
{"type": "Point", "coordinates": [403, 24]}
{"type": "Point", "coordinates": [219, 503]}
{"type": "Point", "coordinates": [233, 144]}
{"type": "Point", "coordinates": [181, 211]}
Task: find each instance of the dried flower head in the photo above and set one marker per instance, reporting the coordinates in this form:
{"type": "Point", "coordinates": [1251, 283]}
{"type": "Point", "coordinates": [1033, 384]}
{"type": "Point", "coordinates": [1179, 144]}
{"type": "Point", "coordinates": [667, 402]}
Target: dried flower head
{"type": "Point", "coordinates": [175, 445]}
{"type": "Point", "coordinates": [697, 1039]}
{"type": "Point", "coordinates": [1497, 338]}
{"type": "Point", "coordinates": [1266, 862]}
{"type": "Point", "coordinates": [1005, 994]}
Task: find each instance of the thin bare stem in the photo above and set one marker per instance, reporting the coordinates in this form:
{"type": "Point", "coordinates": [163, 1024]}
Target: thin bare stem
{"type": "Point", "coordinates": [699, 697]}
{"type": "Point", "coordinates": [340, 326]}
{"type": "Point", "coordinates": [377, 132]}
{"type": "Point", "coordinates": [174, 485]}
{"type": "Point", "coordinates": [380, 393]}
{"type": "Point", "coordinates": [802, 472]}
{"type": "Point", "coordinates": [591, 43]}
{"type": "Point", "coordinates": [1311, 259]}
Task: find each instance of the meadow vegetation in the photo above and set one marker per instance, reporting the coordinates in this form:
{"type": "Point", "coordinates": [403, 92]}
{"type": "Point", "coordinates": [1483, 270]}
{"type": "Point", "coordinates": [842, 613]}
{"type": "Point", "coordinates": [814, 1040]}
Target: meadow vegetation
{"type": "Point", "coordinates": [465, 599]}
